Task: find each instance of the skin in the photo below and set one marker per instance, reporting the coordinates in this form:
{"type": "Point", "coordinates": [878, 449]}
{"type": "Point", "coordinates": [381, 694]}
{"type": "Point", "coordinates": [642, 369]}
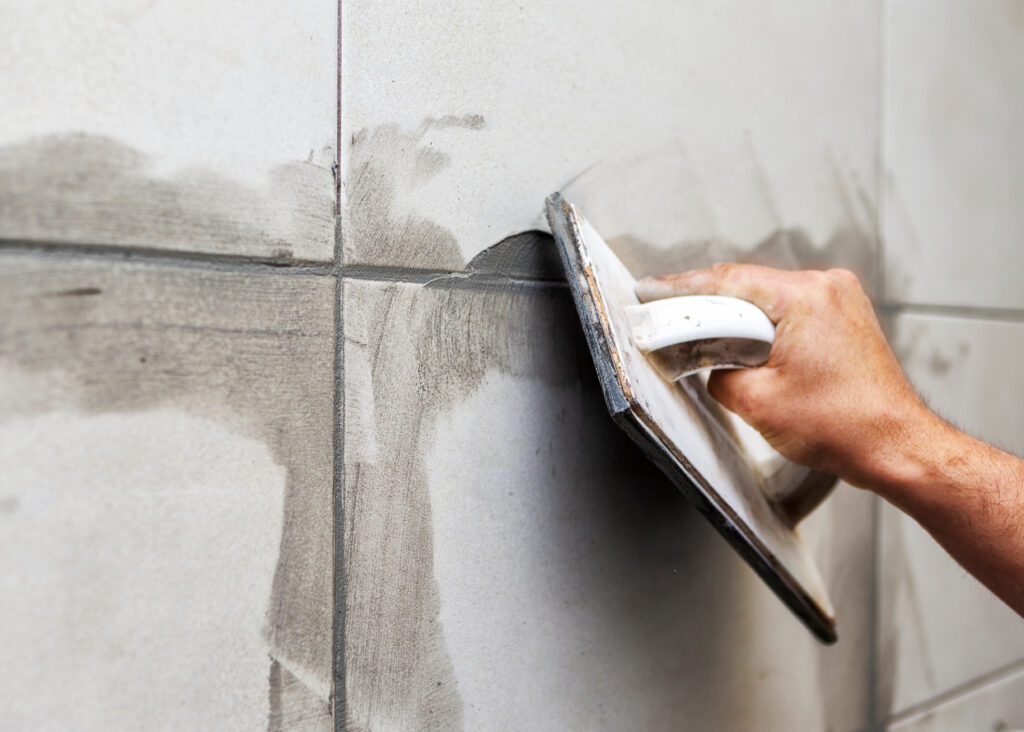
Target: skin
{"type": "Point", "coordinates": [833, 397]}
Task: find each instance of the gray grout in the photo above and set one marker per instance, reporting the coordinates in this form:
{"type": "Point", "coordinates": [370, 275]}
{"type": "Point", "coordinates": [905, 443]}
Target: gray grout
{"type": "Point", "coordinates": [338, 580]}
{"type": "Point", "coordinates": [245, 264]}
{"type": "Point", "coordinates": [142, 255]}
{"type": "Point", "coordinates": [386, 273]}
{"type": "Point", "coordinates": [339, 584]}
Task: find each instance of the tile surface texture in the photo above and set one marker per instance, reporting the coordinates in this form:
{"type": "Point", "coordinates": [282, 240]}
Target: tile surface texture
{"type": "Point", "coordinates": [165, 496]}
{"type": "Point", "coordinates": [512, 561]}
{"type": "Point", "coordinates": [940, 628]}
{"type": "Point", "coordinates": [186, 126]}
{"type": "Point", "coordinates": [996, 706]}
{"type": "Point", "coordinates": [955, 179]}
{"type": "Point", "coordinates": [687, 132]}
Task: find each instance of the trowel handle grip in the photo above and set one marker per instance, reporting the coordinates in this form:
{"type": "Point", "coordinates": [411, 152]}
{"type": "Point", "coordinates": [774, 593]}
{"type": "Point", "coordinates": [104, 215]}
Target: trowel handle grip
{"type": "Point", "coordinates": [674, 320]}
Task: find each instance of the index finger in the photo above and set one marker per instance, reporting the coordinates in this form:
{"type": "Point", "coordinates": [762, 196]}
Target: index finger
{"type": "Point", "coordinates": [769, 289]}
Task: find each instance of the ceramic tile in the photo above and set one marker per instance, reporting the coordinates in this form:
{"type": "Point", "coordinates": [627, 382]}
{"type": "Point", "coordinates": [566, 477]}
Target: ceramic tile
{"type": "Point", "coordinates": [965, 368]}
{"type": "Point", "coordinates": [940, 628]}
{"type": "Point", "coordinates": [998, 705]}
{"type": "Point", "coordinates": [687, 132]}
{"type": "Point", "coordinates": [165, 496]}
{"type": "Point", "coordinates": [512, 561]}
{"type": "Point", "coordinates": [193, 126]}
{"type": "Point", "coordinates": [955, 164]}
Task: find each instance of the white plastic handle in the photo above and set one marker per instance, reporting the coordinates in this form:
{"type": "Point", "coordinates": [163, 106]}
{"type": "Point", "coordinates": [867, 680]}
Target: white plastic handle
{"type": "Point", "coordinates": [674, 320]}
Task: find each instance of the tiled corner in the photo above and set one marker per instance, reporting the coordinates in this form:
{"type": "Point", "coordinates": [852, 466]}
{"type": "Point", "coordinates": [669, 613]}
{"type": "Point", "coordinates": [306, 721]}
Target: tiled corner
{"type": "Point", "coordinates": [684, 131]}
{"type": "Point", "coordinates": [165, 496]}
{"type": "Point", "coordinates": [997, 705]}
{"type": "Point", "coordinates": [940, 628]}
{"type": "Point", "coordinates": [187, 126]}
{"type": "Point", "coordinates": [955, 162]}
{"type": "Point", "coordinates": [512, 561]}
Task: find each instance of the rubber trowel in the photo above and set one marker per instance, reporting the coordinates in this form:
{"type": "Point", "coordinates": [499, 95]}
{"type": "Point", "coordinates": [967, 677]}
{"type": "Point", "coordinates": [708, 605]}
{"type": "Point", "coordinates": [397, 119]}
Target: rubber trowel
{"type": "Point", "coordinates": [652, 361]}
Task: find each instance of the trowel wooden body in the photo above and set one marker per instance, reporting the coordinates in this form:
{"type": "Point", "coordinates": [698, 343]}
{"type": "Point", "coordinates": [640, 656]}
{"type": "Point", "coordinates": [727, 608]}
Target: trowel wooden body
{"type": "Point", "coordinates": [753, 496]}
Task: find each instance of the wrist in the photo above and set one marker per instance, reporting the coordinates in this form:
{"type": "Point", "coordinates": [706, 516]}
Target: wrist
{"type": "Point", "coordinates": [911, 455]}
{"type": "Point", "coordinates": [925, 466]}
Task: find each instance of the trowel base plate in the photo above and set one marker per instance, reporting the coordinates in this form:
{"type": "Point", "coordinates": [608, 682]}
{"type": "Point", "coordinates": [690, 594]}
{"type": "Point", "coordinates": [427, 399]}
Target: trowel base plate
{"type": "Point", "coordinates": [807, 599]}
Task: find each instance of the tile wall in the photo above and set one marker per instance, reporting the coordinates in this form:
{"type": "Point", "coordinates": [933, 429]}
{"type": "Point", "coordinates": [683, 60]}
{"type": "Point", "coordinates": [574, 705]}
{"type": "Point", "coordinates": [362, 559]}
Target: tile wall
{"type": "Point", "coordinates": [379, 490]}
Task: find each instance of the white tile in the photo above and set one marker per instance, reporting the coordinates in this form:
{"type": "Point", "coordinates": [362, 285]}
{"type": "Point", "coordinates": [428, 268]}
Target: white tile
{"type": "Point", "coordinates": [684, 130]}
{"type": "Point", "coordinates": [939, 627]}
{"type": "Point", "coordinates": [166, 528]}
{"type": "Point", "coordinates": [512, 561]}
{"type": "Point", "coordinates": [998, 705]}
{"type": "Point", "coordinates": [954, 112]}
{"type": "Point", "coordinates": [125, 592]}
{"type": "Point", "coordinates": [966, 369]}
{"type": "Point", "coordinates": [189, 126]}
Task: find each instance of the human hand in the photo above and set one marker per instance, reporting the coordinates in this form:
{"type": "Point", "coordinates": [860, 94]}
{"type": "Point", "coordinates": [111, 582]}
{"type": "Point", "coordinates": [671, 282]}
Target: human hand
{"type": "Point", "coordinates": [832, 395]}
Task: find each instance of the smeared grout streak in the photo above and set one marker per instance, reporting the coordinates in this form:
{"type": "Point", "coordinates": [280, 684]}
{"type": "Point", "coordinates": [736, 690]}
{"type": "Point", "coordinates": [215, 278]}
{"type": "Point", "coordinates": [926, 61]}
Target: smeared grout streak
{"type": "Point", "coordinates": [86, 188]}
{"type": "Point", "coordinates": [384, 163]}
{"type": "Point", "coordinates": [397, 674]}
{"type": "Point", "coordinates": [528, 255]}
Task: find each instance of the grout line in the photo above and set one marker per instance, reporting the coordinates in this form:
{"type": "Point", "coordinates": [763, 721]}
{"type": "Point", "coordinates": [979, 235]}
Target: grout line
{"type": "Point", "coordinates": [339, 698]}
{"type": "Point", "coordinates": [390, 274]}
{"type": "Point", "coordinates": [954, 311]}
{"type": "Point", "coordinates": [443, 277]}
{"type": "Point", "coordinates": [489, 282]}
{"type": "Point", "coordinates": [958, 692]}
{"type": "Point", "coordinates": [229, 262]}
{"type": "Point", "coordinates": [385, 273]}
{"type": "Point", "coordinates": [263, 265]}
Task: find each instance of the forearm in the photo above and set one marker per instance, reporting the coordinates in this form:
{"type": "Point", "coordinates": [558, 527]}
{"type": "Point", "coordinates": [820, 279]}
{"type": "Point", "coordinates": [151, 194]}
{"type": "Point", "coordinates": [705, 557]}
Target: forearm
{"type": "Point", "coordinates": [968, 495]}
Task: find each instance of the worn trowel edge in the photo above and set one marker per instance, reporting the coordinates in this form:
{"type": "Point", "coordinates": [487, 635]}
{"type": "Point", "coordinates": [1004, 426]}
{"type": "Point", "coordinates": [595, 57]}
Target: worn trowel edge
{"type": "Point", "coordinates": [684, 476]}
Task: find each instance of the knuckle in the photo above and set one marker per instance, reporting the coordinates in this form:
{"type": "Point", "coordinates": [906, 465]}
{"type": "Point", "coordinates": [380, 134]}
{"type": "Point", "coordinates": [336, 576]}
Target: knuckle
{"type": "Point", "coordinates": [842, 284]}
{"type": "Point", "coordinates": [721, 271]}
{"type": "Point", "coordinates": [822, 279]}
{"type": "Point", "coordinates": [829, 287]}
{"type": "Point", "coordinates": [844, 277]}
{"type": "Point", "coordinates": [815, 288]}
